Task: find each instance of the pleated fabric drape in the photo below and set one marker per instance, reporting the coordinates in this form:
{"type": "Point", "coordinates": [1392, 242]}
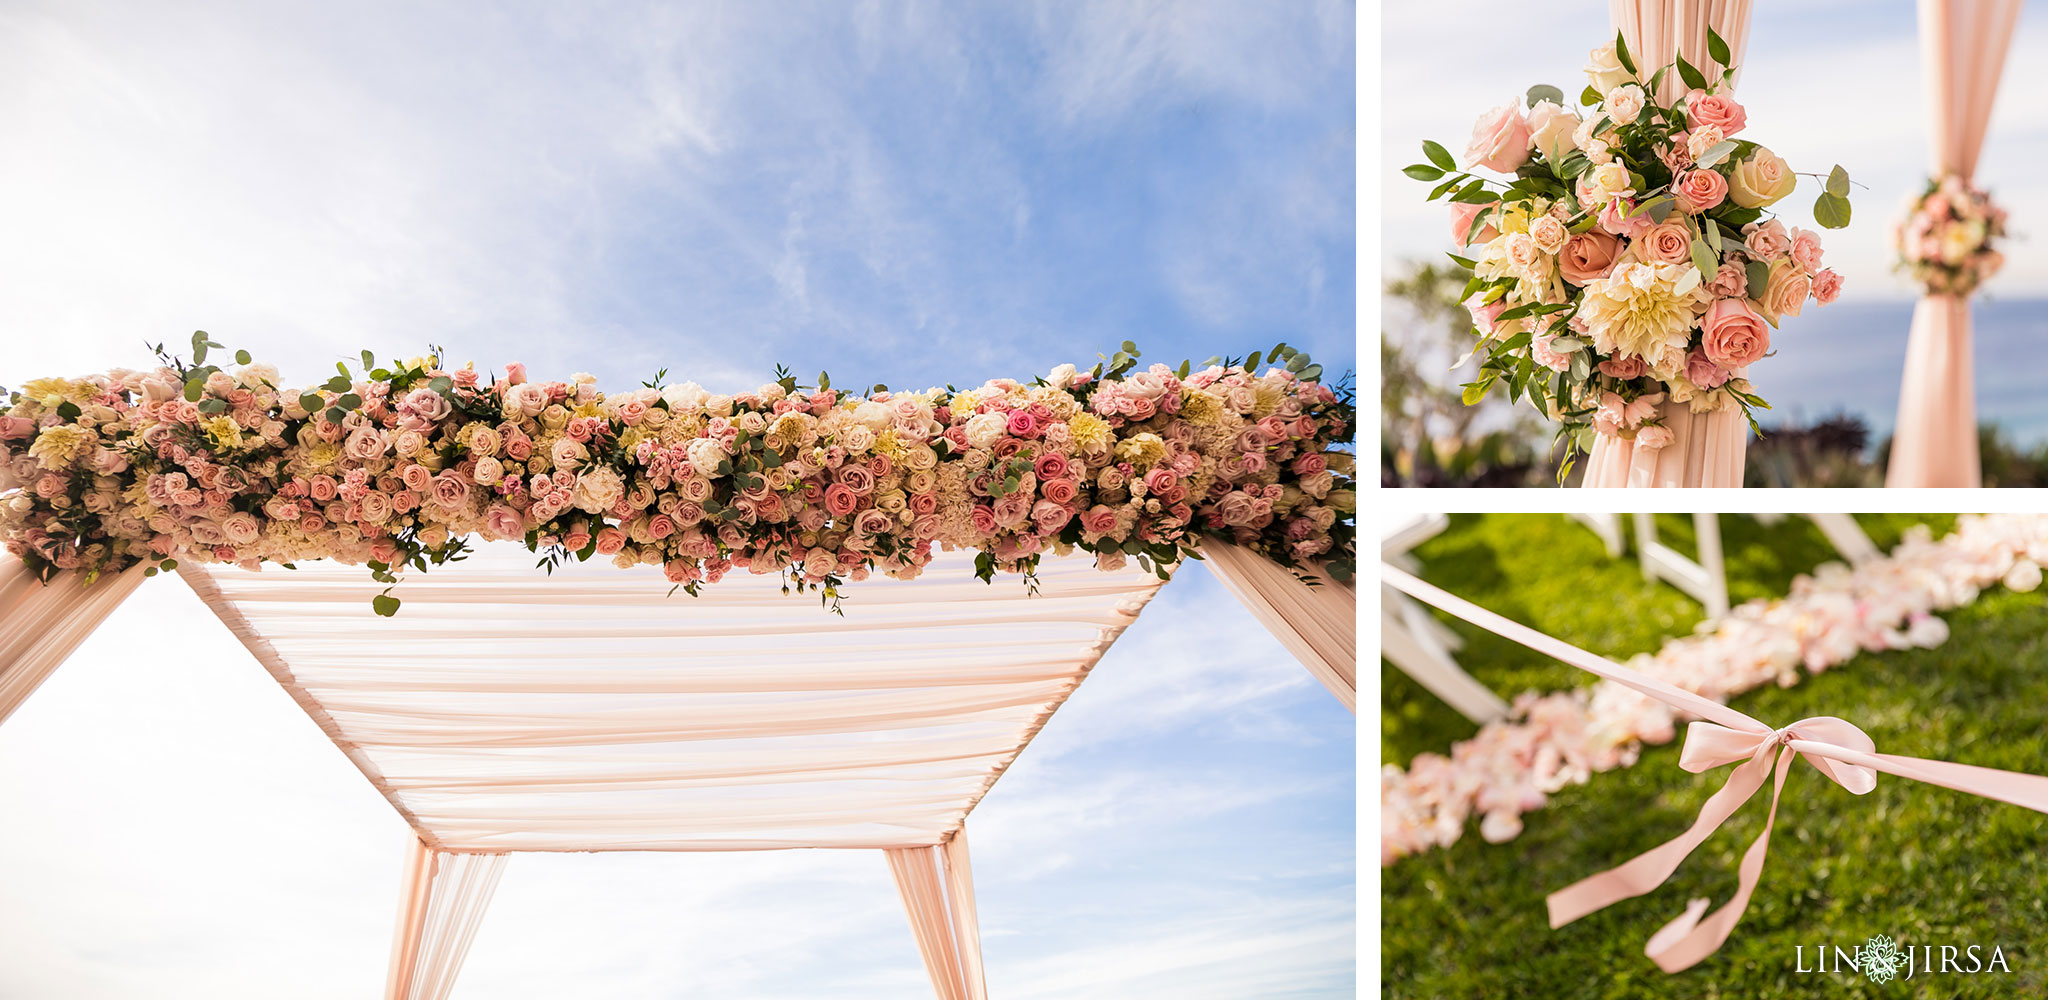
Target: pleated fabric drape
{"type": "Point", "coordinates": [1707, 448]}
{"type": "Point", "coordinates": [441, 904]}
{"type": "Point", "coordinates": [41, 624]}
{"type": "Point", "coordinates": [1963, 45]}
{"type": "Point", "coordinates": [937, 885]}
{"type": "Point", "coordinates": [1319, 624]}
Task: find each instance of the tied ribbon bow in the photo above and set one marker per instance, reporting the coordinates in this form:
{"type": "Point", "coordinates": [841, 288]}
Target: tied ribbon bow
{"type": "Point", "coordinates": [1721, 736]}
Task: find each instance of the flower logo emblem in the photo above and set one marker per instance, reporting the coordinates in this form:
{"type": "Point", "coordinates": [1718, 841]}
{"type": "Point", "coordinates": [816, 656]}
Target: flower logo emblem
{"type": "Point", "coordinates": [1881, 959]}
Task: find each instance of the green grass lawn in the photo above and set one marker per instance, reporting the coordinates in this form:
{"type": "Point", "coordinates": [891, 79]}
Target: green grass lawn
{"type": "Point", "coordinates": [1921, 863]}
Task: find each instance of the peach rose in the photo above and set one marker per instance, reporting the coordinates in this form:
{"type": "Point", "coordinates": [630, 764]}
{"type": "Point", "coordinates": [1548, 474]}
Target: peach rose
{"type": "Point", "coordinates": [1701, 139]}
{"type": "Point", "coordinates": [1629, 367]}
{"type": "Point", "coordinates": [1762, 180]}
{"type": "Point", "coordinates": [1718, 110]}
{"type": "Point", "coordinates": [1767, 240]}
{"type": "Point", "coordinates": [1827, 286]}
{"type": "Point", "coordinates": [1699, 190]}
{"type": "Point", "coordinates": [1548, 233]}
{"type": "Point", "coordinates": [1735, 336]}
{"type": "Point", "coordinates": [1666, 243]}
{"type": "Point", "coordinates": [1806, 249]}
{"type": "Point", "coordinates": [1587, 256]}
{"type": "Point", "coordinates": [1500, 140]}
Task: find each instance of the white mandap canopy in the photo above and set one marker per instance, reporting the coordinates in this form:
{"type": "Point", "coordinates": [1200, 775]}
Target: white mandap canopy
{"type": "Point", "coordinates": [622, 718]}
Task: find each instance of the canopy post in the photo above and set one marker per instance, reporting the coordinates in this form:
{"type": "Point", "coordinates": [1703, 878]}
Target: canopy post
{"type": "Point", "coordinates": [941, 910]}
{"type": "Point", "coordinates": [441, 902]}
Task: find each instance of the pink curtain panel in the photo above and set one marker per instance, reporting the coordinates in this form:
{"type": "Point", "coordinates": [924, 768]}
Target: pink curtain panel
{"type": "Point", "coordinates": [1963, 44]}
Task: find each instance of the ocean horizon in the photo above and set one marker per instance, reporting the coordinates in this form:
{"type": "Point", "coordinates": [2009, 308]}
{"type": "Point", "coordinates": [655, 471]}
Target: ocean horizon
{"type": "Point", "coordinates": [1847, 358]}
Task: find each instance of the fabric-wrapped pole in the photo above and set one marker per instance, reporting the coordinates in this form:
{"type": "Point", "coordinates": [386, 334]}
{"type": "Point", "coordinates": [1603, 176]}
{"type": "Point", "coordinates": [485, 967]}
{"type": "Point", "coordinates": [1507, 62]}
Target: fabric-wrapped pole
{"type": "Point", "coordinates": [41, 624]}
{"type": "Point", "coordinates": [1707, 448]}
{"type": "Point", "coordinates": [942, 916]}
{"type": "Point", "coordinates": [1963, 46]}
{"type": "Point", "coordinates": [441, 903]}
{"type": "Point", "coordinates": [1319, 624]}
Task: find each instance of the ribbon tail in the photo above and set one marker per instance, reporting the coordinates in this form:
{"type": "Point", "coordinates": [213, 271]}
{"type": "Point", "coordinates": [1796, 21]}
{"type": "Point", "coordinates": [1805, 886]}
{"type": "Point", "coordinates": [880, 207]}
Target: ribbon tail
{"type": "Point", "coordinates": [1648, 870]}
{"type": "Point", "coordinates": [1687, 939]}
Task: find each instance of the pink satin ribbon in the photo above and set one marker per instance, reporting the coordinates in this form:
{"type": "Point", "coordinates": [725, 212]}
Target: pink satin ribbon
{"type": "Point", "coordinates": [1722, 735]}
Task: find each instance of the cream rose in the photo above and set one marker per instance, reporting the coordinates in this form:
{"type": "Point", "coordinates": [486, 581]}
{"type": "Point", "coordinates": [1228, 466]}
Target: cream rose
{"type": "Point", "coordinates": [1552, 129]}
{"type": "Point", "coordinates": [1623, 103]}
{"type": "Point", "coordinates": [1604, 68]}
{"type": "Point", "coordinates": [1761, 181]}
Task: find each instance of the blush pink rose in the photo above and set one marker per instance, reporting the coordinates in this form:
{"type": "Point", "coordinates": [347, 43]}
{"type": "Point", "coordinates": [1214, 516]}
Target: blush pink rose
{"type": "Point", "coordinates": [1500, 140]}
{"type": "Point", "coordinates": [1730, 282]}
{"type": "Point", "coordinates": [1666, 243]}
{"type": "Point", "coordinates": [1699, 190]}
{"type": "Point", "coordinates": [1587, 256]}
{"type": "Point", "coordinates": [1701, 371]}
{"type": "Point", "coordinates": [1718, 110]}
{"type": "Point", "coordinates": [1541, 353]}
{"type": "Point", "coordinates": [1615, 218]}
{"type": "Point", "coordinates": [1462, 216]}
{"type": "Point", "coordinates": [1827, 286]}
{"type": "Point", "coordinates": [1735, 336]}
{"type": "Point", "coordinates": [1098, 519]}
{"type": "Point", "coordinates": [1654, 436]}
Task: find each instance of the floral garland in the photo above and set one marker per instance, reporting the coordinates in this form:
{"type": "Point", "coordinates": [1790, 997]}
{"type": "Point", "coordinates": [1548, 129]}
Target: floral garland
{"type": "Point", "coordinates": [1629, 260]}
{"type": "Point", "coordinates": [1945, 240]}
{"type": "Point", "coordinates": [1559, 739]}
{"type": "Point", "coordinates": [397, 466]}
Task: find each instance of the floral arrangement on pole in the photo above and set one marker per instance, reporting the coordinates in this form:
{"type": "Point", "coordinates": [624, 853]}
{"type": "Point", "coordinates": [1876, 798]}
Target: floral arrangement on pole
{"type": "Point", "coordinates": [1630, 260]}
{"type": "Point", "coordinates": [1945, 241]}
{"type": "Point", "coordinates": [397, 465]}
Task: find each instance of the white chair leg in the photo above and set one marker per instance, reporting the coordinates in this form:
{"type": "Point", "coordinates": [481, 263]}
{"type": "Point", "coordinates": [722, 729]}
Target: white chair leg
{"type": "Point", "coordinates": [1410, 646]}
{"type": "Point", "coordinates": [1608, 527]}
{"type": "Point", "coordinates": [1706, 579]}
{"type": "Point", "coordinates": [1847, 536]}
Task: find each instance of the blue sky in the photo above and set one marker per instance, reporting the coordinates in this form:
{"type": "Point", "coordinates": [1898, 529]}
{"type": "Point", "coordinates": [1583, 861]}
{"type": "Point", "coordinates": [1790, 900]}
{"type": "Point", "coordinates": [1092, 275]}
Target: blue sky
{"type": "Point", "coordinates": [910, 193]}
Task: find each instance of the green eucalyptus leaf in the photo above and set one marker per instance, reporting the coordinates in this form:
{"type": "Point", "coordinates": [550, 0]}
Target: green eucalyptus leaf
{"type": "Point", "coordinates": [1545, 92]}
{"type": "Point", "coordinates": [1838, 182]}
{"type": "Point", "coordinates": [384, 604]}
{"type": "Point", "coordinates": [1831, 211]}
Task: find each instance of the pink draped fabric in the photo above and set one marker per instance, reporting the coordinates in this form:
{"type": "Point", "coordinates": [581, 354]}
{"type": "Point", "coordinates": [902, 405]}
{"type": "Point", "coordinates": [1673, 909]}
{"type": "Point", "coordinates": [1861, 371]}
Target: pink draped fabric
{"type": "Point", "coordinates": [41, 624]}
{"type": "Point", "coordinates": [1319, 625]}
{"type": "Point", "coordinates": [942, 917]}
{"type": "Point", "coordinates": [440, 906]}
{"type": "Point", "coordinates": [1963, 46]}
{"type": "Point", "coordinates": [1707, 448]}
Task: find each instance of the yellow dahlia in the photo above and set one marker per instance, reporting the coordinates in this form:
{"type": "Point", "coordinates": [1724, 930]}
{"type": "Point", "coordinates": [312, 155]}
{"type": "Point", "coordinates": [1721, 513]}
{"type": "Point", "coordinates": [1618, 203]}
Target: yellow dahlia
{"type": "Point", "coordinates": [1644, 310]}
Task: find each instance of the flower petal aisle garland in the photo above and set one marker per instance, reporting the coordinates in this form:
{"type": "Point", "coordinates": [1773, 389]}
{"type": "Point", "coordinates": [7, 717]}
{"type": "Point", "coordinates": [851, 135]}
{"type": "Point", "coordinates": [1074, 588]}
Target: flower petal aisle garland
{"type": "Point", "coordinates": [1554, 740]}
{"type": "Point", "coordinates": [1945, 240]}
{"type": "Point", "coordinates": [398, 465]}
{"type": "Point", "coordinates": [1629, 260]}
